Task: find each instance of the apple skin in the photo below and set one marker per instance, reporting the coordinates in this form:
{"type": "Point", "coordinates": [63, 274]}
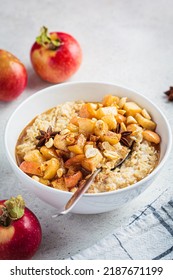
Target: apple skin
{"type": "Point", "coordinates": [21, 239]}
{"type": "Point", "coordinates": [13, 76]}
{"type": "Point", "coordinates": [56, 66]}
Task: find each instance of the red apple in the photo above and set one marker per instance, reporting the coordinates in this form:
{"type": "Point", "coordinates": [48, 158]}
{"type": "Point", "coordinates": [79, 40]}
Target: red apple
{"type": "Point", "coordinates": [13, 76]}
{"type": "Point", "coordinates": [20, 230]}
{"type": "Point", "coordinates": [55, 56]}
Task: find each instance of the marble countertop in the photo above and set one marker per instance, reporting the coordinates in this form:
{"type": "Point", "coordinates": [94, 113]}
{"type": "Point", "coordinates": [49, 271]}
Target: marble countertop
{"type": "Point", "coordinates": [124, 42]}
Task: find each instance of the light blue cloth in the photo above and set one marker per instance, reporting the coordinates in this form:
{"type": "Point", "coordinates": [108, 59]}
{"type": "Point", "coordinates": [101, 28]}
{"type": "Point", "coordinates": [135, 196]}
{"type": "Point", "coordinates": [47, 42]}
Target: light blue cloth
{"type": "Point", "coordinates": [147, 236]}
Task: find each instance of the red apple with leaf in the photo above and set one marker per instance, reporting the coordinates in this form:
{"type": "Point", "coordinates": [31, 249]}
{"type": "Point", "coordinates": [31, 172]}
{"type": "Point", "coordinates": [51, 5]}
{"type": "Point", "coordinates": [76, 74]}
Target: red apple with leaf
{"type": "Point", "coordinates": [13, 76]}
{"type": "Point", "coordinates": [20, 230]}
{"type": "Point", "coordinates": [55, 56]}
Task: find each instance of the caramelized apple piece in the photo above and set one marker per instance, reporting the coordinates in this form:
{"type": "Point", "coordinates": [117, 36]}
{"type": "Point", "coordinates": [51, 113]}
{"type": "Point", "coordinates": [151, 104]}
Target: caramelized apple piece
{"type": "Point", "coordinates": [60, 142]}
{"type": "Point", "coordinates": [74, 120]}
{"type": "Point", "coordinates": [145, 123]}
{"type": "Point", "coordinates": [86, 126]}
{"type": "Point", "coordinates": [110, 110]}
{"type": "Point", "coordinates": [108, 100]}
{"type": "Point", "coordinates": [59, 184]}
{"type": "Point", "coordinates": [110, 120]}
{"type": "Point", "coordinates": [151, 136]}
{"type": "Point", "coordinates": [51, 167]}
{"type": "Point", "coordinates": [48, 153]}
{"type": "Point", "coordinates": [78, 147]}
{"type": "Point", "coordinates": [131, 108]}
{"type": "Point", "coordinates": [120, 118]}
{"type": "Point", "coordinates": [73, 127]}
{"type": "Point", "coordinates": [31, 167]}
{"type": "Point", "coordinates": [34, 156]}
{"type": "Point", "coordinates": [76, 160]}
{"type": "Point", "coordinates": [101, 128]}
{"type": "Point", "coordinates": [92, 107]}
{"type": "Point", "coordinates": [111, 137]}
{"type": "Point", "coordinates": [91, 164]}
{"type": "Point", "coordinates": [84, 113]}
{"type": "Point", "coordinates": [72, 180]}
{"type": "Point", "coordinates": [88, 110]}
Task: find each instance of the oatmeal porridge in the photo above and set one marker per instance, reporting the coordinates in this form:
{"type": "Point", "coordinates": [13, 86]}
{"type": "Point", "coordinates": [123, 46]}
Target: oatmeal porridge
{"type": "Point", "coordinates": [61, 147]}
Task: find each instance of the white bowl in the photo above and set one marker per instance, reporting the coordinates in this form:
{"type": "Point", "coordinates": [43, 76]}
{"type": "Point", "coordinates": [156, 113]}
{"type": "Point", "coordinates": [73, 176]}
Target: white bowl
{"type": "Point", "coordinates": [87, 91]}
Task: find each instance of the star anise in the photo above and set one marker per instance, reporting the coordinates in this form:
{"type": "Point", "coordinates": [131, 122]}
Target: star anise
{"type": "Point", "coordinates": [45, 136]}
{"type": "Point", "coordinates": [124, 136]}
{"type": "Point", "coordinates": [169, 93]}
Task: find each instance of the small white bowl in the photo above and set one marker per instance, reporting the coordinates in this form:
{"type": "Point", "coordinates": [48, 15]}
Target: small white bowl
{"type": "Point", "coordinates": [87, 91]}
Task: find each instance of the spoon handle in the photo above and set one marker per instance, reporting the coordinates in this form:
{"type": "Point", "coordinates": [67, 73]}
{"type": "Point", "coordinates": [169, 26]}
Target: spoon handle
{"type": "Point", "coordinates": [79, 192]}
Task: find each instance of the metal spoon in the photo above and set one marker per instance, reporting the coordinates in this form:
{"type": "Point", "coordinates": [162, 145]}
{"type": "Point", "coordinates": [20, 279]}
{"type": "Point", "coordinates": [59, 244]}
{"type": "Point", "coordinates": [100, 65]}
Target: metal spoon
{"type": "Point", "coordinates": [84, 187]}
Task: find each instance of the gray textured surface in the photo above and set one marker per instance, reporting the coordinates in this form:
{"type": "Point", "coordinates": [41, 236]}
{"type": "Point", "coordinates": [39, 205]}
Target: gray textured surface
{"type": "Point", "coordinates": [124, 42]}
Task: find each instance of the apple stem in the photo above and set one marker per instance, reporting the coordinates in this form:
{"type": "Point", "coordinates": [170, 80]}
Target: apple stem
{"type": "Point", "coordinates": [13, 209]}
{"type": "Point", "coordinates": [45, 40]}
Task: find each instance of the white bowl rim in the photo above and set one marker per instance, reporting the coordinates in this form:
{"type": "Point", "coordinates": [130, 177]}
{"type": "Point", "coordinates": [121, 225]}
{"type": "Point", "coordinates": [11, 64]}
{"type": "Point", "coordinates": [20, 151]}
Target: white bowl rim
{"type": "Point", "coordinates": [126, 189]}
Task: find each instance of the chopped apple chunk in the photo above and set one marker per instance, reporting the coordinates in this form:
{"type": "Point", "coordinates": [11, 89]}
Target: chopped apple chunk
{"type": "Point", "coordinates": [72, 180]}
{"type": "Point", "coordinates": [34, 156]}
{"type": "Point", "coordinates": [88, 110]}
{"type": "Point", "coordinates": [51, 166]}
{"type": "Point", "coordinates": [77, 148]}
{"type": "Point", "coordinates": [30, 167]}
{"type": "Point", "coordinates": [110, 120]}
{"type": "Point", "coordinates": [145, 123]}
{"type": "Point", "coordinates": [100, 128]}
{"type": "Point", "coordinates": [108, 100]}
{"type": "Point", "coordinates": [110, 110]}
{"type": "Point", "coordinates": [86, 126]}
{"type": "Point", "coordinates": [76, 160]}
{"type": "Point", "coordinates": [131, 108]}
{"type": "Point", "coordinates": [60, 142]}
{"type": "Point", "coordinates": [111, 137]}
{"type": "Point", "coordinates": [92, 163]}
